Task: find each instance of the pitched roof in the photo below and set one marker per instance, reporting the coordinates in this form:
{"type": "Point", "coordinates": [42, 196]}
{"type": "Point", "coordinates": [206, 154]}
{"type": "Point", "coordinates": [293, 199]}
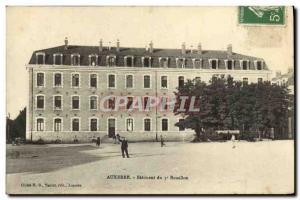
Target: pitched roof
{"type": "Point", "coordinates": [85, 51]}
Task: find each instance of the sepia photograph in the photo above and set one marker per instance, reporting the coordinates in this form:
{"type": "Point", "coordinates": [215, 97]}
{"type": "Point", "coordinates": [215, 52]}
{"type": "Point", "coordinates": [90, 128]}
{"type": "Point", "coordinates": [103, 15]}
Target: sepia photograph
{"type": "Point", "coordinates": [150, 100]}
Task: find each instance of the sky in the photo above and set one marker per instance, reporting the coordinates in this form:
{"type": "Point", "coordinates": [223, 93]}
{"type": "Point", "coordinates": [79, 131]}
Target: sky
{"type": "Point", "coordinates": [32, 28]}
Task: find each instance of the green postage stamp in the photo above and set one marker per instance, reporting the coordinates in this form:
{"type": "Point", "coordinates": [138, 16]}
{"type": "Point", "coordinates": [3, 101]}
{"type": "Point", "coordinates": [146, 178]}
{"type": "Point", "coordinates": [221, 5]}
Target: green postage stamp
{"type": "Point", "coordinates": [265, 15]}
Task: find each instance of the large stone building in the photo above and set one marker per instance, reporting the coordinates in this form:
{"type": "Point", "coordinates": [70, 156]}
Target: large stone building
{"type": "Point", "coordinates": [66, 84]}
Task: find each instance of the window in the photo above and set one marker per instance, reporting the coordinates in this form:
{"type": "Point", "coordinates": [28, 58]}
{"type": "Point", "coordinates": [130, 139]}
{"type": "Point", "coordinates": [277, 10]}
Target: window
{"type": "Point", "coordinates": [181, 127]}
{"type": "Point", "coordinates": [93, 60]}
{"type": "Point", "coordinates": [147, 124]}
{"type": "Point", "coordinates": [93, 80]}
{"type": "Point", "coordinates": [146, 61]}
{"type": "Point", "coordinates": [146, 81]}
{"type": "Point", "coordinates": [164, 124]}
{"type": "Point", "coordinates": [111, 81]}
{"type": "Point", "coordinates": [129, 81]}
{"type": "Point", "coordinates": [75, 102]}
{"type": "Point", "coordinates": [145, 103]}
{"type": "Point", "coordinates": [244, 64]}
{"type": "Point", "coordinates": [197, 63]}
{"type": "Point", "coordinates": [164, 82]}
{"type": "Point", "coordinates": [260, 80]}
{"type": "Point", "coordinates": [75, 59]}
{"type": "Point", "coordinates": [245, 81]}
{"type": "Point", "coordinates": [230, 64]}
{"type": "Point", "coordinates": [180, 62]}
{"type": "Point", "coordinates": [180, 81]}
{"type": "Point", "coordinates": [129, 61]}
{"type": "Point", "coordinates": [57, 80]}
{"type": "Point", "coordinates": [111, 60]}
{"type": "Point", "coordinates": [40, 124]}
{"type": "Point", "coordinates": [57, 102]}
{"type": "Point", "coordinates": [75, 124]}
{"type": "Point", "coordinates": [164, 103]}
{"type": "Point", "coordinates": [93, 102]}
{"type": "Point", "coordinates": [40, 79]}
{"type": "Point", "coordinates": [93, 124]}
{"type": "Point", "coordinates": [164, 62]}
{"type": "Point", "coordinates": [57, 59]}
{"type": "Point", "coordinates": [40, 58]}
{"type": "Point", "coordinates": [111, 103]}
{"type": "Point", "coordinates": [129, 124]}
{"type": "Point", "coordinates": [129, 102]}
{"type": "Point", "coordinates": [57, 124]}
{"type": "Point", "coordinates": [40, 102]}
{"type": "Point", "coordinates": [214, 64]}
{"type": "Point", "coordinates": [259, 65]}
{"type": "Point", "coordinates": [75, 80]}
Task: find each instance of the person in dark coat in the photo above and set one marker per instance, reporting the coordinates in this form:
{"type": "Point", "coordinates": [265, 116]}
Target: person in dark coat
{"type": "Point", "coordinates": [124, 146]}
{"type": "Point", "coordinates": [98, 142]}
{"type": "Point", "coordinates": [162, 142]}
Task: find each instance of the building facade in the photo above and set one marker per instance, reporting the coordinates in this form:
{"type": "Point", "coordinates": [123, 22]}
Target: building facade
{"type": "Point", "coordinates": [68, 82]}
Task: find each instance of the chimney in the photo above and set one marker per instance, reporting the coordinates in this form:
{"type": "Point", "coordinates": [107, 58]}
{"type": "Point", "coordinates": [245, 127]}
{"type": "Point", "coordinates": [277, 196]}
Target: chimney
{"type": "Point", "coordinates": [100, 45]}
{"type": "Point", "coordinates": [278, 74]}
{"type": "Point", "coordinates": [199, 49]}
{"type": "Point", "coordinates": [229, 50]}
{"type": "Point", "coordinates": [109, 46]}
{"type": "Point", "coordinates": [183, 48]}
{"type": "Point", "coordinates": [66, 43]}
{"type": "Point", "coordinates": [118, 45]}
{"type": "Point", "coordinates": [151, 47]}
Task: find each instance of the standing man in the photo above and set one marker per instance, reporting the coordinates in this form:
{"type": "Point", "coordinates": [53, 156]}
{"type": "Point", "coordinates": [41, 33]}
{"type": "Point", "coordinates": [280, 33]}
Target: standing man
{"type": "Point", "coordinates": [162, 142]}
{"type": "Point", "coordinates": [98, 142]}
{"type": "Point", "coordinates": [233, 141]}
{"type": "Point", "coordinates": [124, 147]}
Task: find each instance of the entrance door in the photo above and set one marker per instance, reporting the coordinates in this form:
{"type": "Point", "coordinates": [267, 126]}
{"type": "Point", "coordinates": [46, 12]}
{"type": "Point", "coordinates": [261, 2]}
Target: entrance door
{"type": "Point", "coordinates": [111, 127]}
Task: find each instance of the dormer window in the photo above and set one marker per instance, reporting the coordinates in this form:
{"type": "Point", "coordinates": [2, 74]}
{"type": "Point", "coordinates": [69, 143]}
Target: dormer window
{"type": "Point", "coordinates": [197, 63]}
{"type": "Point", "coordinates": [146, 61]}
{"type": "Point", "coordinates": [244, 64]}
{"type": "Point", "coordinates": [40, 58]}
{"type": "Point", "coordinates": [57, 59]}
{"type": "Point", "coordinates": [111, 60]}
{"type": "Point", "coordinates": [180, 62]}
{"type": "Point", "coordinates": [93, 60]}
{"type": "Point", "coordinates": [163, 62]}
{"type": "Point", "coordinates": [75, 59]}
{"type": "Point", "coordinates": [229, 64]}
{"type": "Point", "coordinates": [259, 64]}
{"type": "Point", "coordinates": [129, 61]}
{"type": "Point", "coordinates": [213, 63]}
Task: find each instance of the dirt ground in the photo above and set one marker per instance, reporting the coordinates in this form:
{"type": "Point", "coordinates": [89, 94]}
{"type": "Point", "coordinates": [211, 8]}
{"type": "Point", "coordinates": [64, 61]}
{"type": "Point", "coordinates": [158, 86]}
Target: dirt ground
{"type": "Point", "coordinates": [178, 168]}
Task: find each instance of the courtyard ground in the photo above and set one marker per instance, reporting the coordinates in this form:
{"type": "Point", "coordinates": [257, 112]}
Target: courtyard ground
{"type": "Point", "coordinates": [202, 168]}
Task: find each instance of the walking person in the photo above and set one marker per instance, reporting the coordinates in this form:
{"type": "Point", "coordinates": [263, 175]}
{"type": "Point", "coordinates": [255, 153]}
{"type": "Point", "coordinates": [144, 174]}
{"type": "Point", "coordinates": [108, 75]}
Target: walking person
{"type": "Point", "coordinates": [124, 146]}
{"type": "Point", "coordinates": [233, 141]}
{"type": "Point", "coordinates": [98, 142]}
{"type": "Point", "coordinates": [162, 142]}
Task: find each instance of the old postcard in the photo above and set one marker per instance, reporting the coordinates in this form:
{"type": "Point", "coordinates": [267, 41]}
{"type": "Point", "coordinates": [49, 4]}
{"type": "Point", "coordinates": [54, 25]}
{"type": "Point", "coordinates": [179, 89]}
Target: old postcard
{"type": "Point", "coordinates": [150, 100]}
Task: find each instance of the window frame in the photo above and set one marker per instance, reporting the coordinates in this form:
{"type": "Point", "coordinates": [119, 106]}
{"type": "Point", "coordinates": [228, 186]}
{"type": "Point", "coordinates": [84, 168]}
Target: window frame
{"type": "Point", "coordinates": [107, 60]}
{"type": "Point", "coordinates": [61, 80]}
{"type": "Point", "coordinates": [241, 64]}
{"type": "Point", "coordinates": [90, 124]}
{"type": "Point", "coordinates": [97, 101]}
{"type": "Point", "coordinates": [79, 124]}
{"type": "Point", "coordinates": [125, 61]}
{"type": "Point", "coordinates": [90, 78]}
{"type": "Point", "coordinates": [79, 60]}
{"type": "Point", "coordinates": [133, 126]}
{"type": "Point", "coordinates": [210, 61]}
{"type": "Point", "coordinates": [132, 81]}
{"type": "Point", "coordinates": [226, 64]}
{"type": "Point", "coordinates": [90, 59]}
{"type": "Point", "coordinates": [115, 81]}
{"type": "Point", "coordinates": [61, 101]}
{"type": "Point", "coordinates": [36, 79]}
{"type": "Point", "coordinates": [78, 102]}
{"type": "Point", "coordinates": [144, 127]}
{"type": "Point", "coordinates": [79, 81]}
{"type": "Point", "coordinates": [150, 81]}
{"type": "Point", "coordinates": [44, 124]}
{"type": "Point", "coordinates": [150, 61]}
{"type": "Point", "coordinates": [61, 58]}
{"type": "Point", "coordinates": [36, 102]}
{"type": "Point", "coordinates": [61, 124]}
{"type": "Point", "coordinates": [194, 63]}
{"type": "Point", "coordinates": [164, 88]}
{"type": "Point", "coordinates": [37, 54]}
{"type": "Point", "coordinates": [167, 124]}
{"type": "Point", "coordinates": [183, 66]}
{"type": "Point", "coordinates": [160, 62]}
